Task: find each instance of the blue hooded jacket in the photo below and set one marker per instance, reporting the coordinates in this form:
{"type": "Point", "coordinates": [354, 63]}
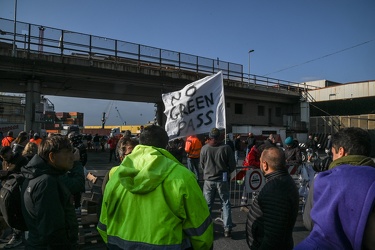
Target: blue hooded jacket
{"type": "Point", "coordinates": [343, 199]}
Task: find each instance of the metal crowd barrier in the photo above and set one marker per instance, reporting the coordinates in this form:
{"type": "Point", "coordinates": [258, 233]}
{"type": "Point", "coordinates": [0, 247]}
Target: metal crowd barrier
{"type": "Point", "coordinates": [238, 189]}
{"type": "Point", "coordinates": [302, 177]}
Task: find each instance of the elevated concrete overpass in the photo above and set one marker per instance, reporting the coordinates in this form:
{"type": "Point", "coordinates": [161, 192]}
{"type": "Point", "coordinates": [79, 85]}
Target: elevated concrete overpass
{"type": "Point", "coordinates": [48, 61]}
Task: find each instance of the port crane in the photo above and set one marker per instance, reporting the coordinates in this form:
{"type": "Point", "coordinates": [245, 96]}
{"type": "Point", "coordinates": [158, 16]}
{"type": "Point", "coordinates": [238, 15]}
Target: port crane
{"type": "Point", "coordinates": [123, 122]}
{"type": "Point", "coordinates": [106, 113]}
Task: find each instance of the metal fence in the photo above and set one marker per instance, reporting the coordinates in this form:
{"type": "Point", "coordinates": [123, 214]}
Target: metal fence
{"type": "Point", "coordinates": [302, 178]}
{"type": "Point", "coordinates": [36, 39]}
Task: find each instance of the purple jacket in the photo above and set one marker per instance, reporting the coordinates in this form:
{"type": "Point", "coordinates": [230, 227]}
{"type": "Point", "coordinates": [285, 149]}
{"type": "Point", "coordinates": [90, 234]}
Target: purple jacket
{"type": "Point", "coordinates": [343, 199]}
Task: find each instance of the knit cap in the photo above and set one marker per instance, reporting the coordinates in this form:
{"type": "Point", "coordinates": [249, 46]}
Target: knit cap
{"type": "Point", "coordinates": [214, 133]}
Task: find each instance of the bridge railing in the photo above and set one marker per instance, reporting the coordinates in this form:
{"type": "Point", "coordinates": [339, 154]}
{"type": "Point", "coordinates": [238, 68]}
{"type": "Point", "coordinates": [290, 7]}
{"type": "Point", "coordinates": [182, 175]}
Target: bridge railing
{"type": "Point", "coordinates": [35, 39]}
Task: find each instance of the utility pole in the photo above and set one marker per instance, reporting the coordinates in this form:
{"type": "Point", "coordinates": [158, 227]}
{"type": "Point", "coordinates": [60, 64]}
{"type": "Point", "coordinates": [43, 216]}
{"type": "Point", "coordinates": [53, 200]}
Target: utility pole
{"type": "Point", "coordinates": [249, 63]}
{"type": "Point", "coordinates": [15, 29]}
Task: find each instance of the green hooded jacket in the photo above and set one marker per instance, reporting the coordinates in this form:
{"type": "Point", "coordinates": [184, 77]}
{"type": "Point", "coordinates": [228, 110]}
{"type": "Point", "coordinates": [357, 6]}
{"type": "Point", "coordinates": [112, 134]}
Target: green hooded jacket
{"type": "Point", "coordinates": [154, 202]}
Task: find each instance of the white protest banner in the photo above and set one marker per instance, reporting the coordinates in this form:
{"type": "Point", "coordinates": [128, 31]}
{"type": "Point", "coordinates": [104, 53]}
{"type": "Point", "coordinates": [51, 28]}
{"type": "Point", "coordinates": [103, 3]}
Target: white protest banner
{"type": "Point", "coordinates": [196, 108]}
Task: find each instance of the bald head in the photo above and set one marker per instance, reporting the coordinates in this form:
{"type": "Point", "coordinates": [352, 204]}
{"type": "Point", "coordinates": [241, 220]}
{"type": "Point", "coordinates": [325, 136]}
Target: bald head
{"type": "Point", "coordinates": [274, 157]}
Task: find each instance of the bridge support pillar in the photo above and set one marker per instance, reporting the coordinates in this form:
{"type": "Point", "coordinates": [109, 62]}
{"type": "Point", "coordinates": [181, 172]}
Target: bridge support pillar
{"type": "Point", "coordinates": [33, 108]}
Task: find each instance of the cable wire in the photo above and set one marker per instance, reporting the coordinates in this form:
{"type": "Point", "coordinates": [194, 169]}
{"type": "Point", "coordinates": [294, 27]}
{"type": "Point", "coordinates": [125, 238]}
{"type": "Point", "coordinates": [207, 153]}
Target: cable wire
{"type": "Point", "coordinates": [312, 60]}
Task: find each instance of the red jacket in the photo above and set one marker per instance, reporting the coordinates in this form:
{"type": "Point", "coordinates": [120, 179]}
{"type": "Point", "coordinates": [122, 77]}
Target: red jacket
{"type": "Point", "coordinates": [36, 141]}
{"type": "Point", "coordinates": [6, 141]}
{"type": "Point", "coordinates": [112, 143]}
{"type": "Point", "coordinates": [252, 158]}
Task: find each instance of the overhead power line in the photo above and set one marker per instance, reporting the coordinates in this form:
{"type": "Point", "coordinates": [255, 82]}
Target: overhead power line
{"type": "Point", "coordinates": [319, 57]}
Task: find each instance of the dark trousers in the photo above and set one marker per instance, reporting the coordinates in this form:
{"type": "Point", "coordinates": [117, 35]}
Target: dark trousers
{"type": "Point", "coordinates": [112, 152]}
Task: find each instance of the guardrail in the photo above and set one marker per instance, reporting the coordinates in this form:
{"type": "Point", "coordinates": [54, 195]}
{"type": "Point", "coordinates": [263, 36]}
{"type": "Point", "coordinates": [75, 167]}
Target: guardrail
{"type": "Point", "coordinates": [31, 38]}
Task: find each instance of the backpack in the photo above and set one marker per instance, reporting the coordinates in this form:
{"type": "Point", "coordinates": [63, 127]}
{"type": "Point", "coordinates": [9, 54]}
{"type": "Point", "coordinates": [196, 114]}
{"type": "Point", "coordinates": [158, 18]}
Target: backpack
{"type": "Point", "coordinates": [10, 201]}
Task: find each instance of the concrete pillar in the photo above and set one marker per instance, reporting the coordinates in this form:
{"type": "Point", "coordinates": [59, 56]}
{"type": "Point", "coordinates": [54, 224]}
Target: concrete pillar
{"type": "Point", "coordinates": [32, 104]}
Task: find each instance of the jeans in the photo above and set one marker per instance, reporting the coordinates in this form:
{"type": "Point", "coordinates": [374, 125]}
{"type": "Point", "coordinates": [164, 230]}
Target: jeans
{"type": "Point", "coordinates": [247, 151]}
{"type": "Point", "coordinates": [236, 152]}
{"type": "Point", "coordinates": [222, 187]}
{"type": "Point", "coordinates": [193, 166]}
{"type": "Point", "coordinates": [96, 145]}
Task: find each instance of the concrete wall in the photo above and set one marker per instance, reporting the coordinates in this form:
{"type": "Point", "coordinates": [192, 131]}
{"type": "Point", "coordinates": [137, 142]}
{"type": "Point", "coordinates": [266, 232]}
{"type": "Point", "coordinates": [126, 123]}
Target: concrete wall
{"type": "Point", "coordinates": [250, 117]}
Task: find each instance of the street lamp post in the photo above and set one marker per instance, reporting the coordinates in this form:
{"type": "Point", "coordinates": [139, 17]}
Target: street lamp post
{"type": "Point", "coordinates": [249, 63]}
{"type": "Point", "coordinates": [15, 29]}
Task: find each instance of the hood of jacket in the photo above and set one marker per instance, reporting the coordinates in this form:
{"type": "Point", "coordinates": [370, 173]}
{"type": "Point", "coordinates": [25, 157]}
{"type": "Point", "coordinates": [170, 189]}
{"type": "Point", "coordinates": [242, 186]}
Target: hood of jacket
{"type": "Point", "coordinates": [37, 166]}
{"type": "Point", "coordinates": [343, 199]}
{"type": "Point", "coordinates": [355, 160]}
{"type": "Point", "coordinates": [145, 168]}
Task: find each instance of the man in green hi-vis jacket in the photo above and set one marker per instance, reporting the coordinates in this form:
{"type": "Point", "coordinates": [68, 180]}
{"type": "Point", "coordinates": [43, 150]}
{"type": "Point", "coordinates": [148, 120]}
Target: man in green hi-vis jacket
{"type": "Point", "coordinates": [154, 202]}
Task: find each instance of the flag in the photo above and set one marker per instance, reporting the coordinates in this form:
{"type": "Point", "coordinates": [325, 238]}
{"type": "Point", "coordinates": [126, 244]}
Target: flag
{"type": "Point", "coordinates": [197, 108]}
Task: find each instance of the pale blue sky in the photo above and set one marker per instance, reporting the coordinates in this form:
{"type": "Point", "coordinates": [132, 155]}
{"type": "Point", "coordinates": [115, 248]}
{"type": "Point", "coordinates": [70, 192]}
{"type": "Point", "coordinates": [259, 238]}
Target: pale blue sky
{"type": "Point", "coordinates": [283, 33]}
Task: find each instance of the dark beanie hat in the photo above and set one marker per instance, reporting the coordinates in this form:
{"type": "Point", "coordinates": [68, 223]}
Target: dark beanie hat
{"type": "Point", "coordinates": [214, 133]}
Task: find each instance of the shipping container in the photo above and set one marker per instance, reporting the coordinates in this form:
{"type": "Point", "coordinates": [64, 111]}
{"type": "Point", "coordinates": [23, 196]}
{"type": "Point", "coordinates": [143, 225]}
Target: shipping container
{"type": "Point", "coordinates": [62, 115]}
{"type": "Point", "coordinates": [99, 131]}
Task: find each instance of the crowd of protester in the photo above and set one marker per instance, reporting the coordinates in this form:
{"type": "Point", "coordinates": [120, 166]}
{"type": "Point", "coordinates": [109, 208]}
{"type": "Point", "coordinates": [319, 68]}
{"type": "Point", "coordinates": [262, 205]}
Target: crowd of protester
{"type": "Point", "coordinates": [152, 196]}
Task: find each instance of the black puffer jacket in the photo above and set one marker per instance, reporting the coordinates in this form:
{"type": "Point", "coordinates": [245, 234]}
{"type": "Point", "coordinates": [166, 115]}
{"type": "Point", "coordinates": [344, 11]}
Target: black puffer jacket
{"type": "Point", "coordinates": [47, 207]}
{"type": "Point", "coordinates": [273, 213]}
{"type": "Point", "coordinates": [293, 155]}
